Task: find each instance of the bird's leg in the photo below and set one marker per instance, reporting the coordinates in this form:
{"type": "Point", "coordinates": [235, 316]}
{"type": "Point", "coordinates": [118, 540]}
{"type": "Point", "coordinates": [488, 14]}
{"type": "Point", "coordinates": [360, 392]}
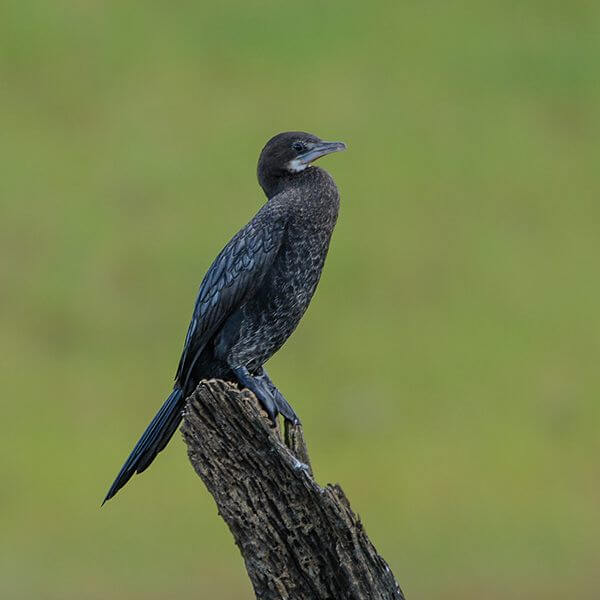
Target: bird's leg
{"type": "Point", "coordinates": [280, 402]}
{"type": "Point", "coordinates": [290, 416]}
{"type": "Point", "coordinates": [259, 388]}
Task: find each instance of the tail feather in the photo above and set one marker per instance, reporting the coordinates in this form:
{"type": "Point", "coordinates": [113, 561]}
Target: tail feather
{"type": "Point", "coordinates": [153, 440]}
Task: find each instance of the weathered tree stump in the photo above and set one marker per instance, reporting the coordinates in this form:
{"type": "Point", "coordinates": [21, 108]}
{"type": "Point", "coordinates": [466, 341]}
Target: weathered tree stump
{"type": "Point", "coordinates": [299, 541]}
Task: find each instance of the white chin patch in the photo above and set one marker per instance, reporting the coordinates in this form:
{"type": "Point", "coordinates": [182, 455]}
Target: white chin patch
{"type": "Point", "coordinates": [296, 165]}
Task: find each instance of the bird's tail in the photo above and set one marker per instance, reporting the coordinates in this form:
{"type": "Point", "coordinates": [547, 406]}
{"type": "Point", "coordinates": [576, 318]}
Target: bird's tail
{"type": "Point", "coordinates": [154, 439]}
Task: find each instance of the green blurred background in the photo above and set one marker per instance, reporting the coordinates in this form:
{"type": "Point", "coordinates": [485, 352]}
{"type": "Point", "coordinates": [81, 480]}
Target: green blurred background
{"type": "Point", "coordinates": [446, 373]}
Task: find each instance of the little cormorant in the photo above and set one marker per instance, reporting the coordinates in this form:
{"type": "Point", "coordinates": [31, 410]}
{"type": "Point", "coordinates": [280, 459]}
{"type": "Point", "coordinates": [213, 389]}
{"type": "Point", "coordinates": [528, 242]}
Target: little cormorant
{"type": "Point", "coordinates": [256, 291]}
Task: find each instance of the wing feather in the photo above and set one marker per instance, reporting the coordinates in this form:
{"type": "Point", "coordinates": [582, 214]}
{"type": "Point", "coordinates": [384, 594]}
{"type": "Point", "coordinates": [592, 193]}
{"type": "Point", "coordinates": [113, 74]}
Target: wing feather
{"type": "Point", "coordinates": [232, 278]}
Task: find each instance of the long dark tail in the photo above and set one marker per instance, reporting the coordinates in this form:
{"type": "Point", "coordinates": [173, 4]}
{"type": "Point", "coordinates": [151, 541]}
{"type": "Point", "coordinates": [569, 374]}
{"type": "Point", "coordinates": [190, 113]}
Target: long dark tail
{"type": "Point", "coordinates": [154, 439]}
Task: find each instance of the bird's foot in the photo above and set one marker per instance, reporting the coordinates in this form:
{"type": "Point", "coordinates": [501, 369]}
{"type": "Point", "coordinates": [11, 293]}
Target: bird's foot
{"type": "Point", "coordinates": [270, 398]}
{"type": "Point", "coordinates": [260, 389]}
{"type": "Point", "coordinates": [283, 406]}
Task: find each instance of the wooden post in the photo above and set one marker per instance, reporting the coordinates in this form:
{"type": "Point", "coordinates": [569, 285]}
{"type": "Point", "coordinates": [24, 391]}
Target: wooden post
{"type": "Point", "coordinates": [299, 541]}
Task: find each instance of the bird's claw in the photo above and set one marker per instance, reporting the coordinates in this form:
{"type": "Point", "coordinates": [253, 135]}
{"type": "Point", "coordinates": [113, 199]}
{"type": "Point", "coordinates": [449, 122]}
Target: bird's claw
{"type": "Point", "coordinates": [270, 398]}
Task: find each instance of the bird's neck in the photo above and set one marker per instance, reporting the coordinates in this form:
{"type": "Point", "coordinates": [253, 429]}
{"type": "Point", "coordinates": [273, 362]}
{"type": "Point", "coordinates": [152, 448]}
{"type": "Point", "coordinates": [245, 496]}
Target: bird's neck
{"type": "Point", "coordinates": [314, 202]}
{"type": "Point", "coordinates": [312, 181]}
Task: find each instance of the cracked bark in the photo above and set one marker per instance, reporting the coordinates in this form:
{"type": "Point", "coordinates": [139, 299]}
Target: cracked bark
{"type": "Point", "coordinates": [299, 541]}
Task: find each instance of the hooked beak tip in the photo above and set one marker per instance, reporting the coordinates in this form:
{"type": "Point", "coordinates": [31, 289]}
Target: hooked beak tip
{"type": "Point", "coordinates": [321, 149]}
{"type": "Point", "coordinates": [334, 147]}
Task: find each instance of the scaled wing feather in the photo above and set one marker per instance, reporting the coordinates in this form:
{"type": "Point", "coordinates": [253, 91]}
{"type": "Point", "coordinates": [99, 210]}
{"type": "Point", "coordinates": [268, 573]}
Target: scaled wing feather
{"type": "Point", "coordinates": [232, 278]}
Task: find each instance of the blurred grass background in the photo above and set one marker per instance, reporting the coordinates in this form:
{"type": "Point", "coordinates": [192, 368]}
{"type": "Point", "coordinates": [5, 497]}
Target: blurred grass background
{"type": "Point", "coordinates": [447, 372]}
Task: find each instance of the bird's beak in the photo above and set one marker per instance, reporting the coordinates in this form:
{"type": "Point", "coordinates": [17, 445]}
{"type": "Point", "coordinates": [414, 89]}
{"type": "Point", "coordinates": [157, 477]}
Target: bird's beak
{"type": "Point", "coordinates": [320, 149]}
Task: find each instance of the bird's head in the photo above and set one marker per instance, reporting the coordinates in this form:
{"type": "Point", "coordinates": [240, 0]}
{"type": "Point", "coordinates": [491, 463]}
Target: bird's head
{"type": "Point", "coordinates": [289, 153]}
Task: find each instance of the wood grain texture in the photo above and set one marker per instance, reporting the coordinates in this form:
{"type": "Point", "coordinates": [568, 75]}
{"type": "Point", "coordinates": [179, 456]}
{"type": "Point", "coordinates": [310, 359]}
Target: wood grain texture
{"type": "Point", "coordinates": [299, 541]}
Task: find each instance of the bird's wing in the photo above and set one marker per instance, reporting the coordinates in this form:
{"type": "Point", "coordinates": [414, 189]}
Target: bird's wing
{"type": "Point", "coordinates": [232, 278]}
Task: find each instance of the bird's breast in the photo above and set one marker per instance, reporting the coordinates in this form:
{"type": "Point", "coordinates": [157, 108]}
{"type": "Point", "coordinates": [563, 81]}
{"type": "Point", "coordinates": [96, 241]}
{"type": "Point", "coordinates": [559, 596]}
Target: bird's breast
{"type": "Point", "coordinates": [270, 316]}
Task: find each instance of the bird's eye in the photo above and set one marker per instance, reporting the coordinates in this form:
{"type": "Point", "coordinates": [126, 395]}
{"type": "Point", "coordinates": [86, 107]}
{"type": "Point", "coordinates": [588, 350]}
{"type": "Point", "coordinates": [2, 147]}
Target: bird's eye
{"type": "Point", "coordinates": [298, 146]}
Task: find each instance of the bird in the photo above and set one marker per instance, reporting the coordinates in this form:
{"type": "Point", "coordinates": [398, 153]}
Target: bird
{"type": "Point", "coordinates": [256, 290]}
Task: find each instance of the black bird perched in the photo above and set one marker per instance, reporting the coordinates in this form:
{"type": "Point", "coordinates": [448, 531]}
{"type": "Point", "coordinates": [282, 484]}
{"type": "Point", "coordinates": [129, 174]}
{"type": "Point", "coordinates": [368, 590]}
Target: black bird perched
{"type": "Point", "coordinates": [257, 289]}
